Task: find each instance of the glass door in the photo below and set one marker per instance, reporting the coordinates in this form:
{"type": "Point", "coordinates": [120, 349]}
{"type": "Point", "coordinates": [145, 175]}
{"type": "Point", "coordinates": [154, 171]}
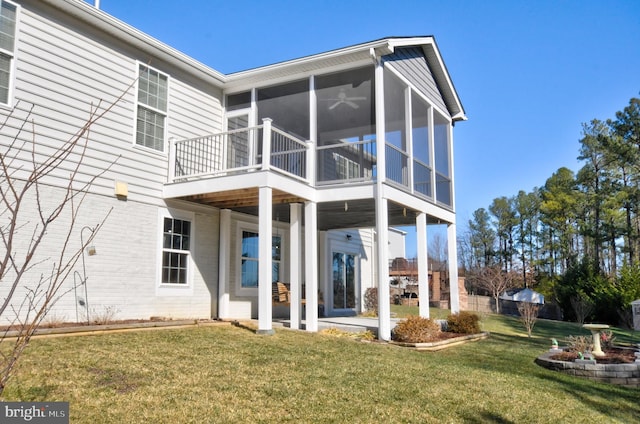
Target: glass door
{"type": "Point", "coordinates": [344, 281]}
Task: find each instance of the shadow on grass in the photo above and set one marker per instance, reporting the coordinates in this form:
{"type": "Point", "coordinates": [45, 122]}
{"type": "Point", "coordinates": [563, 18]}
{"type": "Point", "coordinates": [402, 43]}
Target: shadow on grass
{"type": "Point", "coordinates": [613, 401]}
{"type": "Point", "coordinates": [34, 393]}
{"type": "Point", "coordinates": [485, 417]}
{"type": "Point", "coordinates": [245, 326]}
{"type": "Point", "coordinates": [513, 355]}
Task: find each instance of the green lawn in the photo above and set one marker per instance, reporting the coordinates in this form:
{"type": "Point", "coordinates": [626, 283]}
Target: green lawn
{"type": "Point", "coordinates": [227, 374]}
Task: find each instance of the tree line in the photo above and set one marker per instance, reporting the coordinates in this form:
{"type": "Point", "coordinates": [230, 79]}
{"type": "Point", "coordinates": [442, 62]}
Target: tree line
{"type": "Point", "coordinates": [577, 237]}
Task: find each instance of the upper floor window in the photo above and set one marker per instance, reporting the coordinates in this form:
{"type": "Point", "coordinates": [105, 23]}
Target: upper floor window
{"type": "Point", "coordinates": [7, 47]}
{"type": "Point", "coordinates": [152, 108]}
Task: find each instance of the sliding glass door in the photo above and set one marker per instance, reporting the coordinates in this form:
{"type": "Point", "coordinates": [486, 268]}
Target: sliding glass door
{"type": "Point", "coordinates": [344, 281]}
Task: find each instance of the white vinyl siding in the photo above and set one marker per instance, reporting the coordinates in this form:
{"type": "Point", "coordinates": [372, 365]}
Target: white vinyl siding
{"type": "Point", "coordinates": [7, 47]}
{"type": "Point", "coordinates": [152, 108]}
{"type": "Point", "coordinates": [64, 72]}
{"type": "Point", "coordinates": [412, 65]}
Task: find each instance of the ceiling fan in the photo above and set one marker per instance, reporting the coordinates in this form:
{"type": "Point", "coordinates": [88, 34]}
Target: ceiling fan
{"type": "Point", "coordinates": [344, 99]}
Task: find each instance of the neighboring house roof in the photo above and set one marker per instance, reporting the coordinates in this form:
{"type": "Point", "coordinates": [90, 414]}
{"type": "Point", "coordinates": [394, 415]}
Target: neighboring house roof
{"type": "Point", "coordinates": [334, 59]}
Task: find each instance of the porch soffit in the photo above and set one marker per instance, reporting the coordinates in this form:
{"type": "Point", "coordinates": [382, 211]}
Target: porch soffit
{"type": "Point", "coordinates": [274, 74]}
{"type": "Point", "coordinates": [241, 198]}
{"type": "Point", "coordinates": [332, 215]}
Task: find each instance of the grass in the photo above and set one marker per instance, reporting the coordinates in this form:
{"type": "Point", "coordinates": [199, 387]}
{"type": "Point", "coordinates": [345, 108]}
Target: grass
{"type": "Point", "coordinates": [227, 374]}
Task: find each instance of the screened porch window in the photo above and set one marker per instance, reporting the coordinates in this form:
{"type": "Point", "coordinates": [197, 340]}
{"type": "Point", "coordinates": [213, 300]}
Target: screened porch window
{"type": "Point", "coordinates": [442, 152]}
{"type": "Point", "coordinates": [288, 106]}
{"type": "Point", "coordinates": [346, 125]}
{"type": "Point", "coordinates": [420, 144]}
{"type": "Point", "coordinates": [395, 116]}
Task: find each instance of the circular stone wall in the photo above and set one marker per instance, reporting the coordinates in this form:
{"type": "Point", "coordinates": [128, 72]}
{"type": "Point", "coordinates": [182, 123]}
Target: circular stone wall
{"type": "Point", "coordinates": [627, 375]}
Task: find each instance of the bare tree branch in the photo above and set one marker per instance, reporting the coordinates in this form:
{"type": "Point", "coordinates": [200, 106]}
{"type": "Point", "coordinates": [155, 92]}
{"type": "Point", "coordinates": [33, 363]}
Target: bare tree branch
{"type": "Point", "coordinates": [495, 280]}
{"type": "Point", "coordinates": [22, 185]}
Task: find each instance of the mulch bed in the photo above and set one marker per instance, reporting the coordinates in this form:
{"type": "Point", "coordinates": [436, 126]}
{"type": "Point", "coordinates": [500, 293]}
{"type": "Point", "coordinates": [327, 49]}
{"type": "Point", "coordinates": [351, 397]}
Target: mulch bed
{"type": "Point", "coordinates": [612, 356]}
{"type": "Point", "coordinates": [443, 335]}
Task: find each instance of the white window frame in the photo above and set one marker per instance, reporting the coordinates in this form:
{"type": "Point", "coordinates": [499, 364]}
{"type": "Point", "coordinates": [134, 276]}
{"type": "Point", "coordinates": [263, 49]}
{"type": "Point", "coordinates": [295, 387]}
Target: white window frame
{"type": "Point", "coordinates": [164, 113]}
{"type": "Point", "coordinates": [253, 227]}
{"type": "Point", "coordinates": [12, 56]}
{"type": "Point", "coordinates": [170, 289]}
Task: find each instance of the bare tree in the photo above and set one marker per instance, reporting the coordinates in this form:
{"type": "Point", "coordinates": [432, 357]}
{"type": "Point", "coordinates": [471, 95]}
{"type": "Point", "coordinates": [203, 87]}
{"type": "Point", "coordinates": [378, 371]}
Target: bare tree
{"type": "Point", "coordinates": [582, 306]}
{"type": "Point", "coordinates": [437, 251]}
{"type": "Point", "coordinates": [32, 280]}
{"type": "Point", "coordinates": [495, 280]}
{"type": "Point", "coordinates": [528, 315]}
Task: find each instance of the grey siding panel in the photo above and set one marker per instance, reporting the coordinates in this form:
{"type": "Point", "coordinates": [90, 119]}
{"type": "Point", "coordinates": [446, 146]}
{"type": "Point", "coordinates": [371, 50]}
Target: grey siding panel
{"type": "Point", "coordinates": [411, 63]}
{"type": "Point", "coordinates": [64, 73]}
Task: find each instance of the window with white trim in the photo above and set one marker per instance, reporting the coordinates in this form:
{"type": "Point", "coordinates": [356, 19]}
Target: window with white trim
{"type": "Point", "coordinates": [249, 263]}
{"type": "Point", "coordinates": [7, 47]}
{"type": "Point", "coordinates": [152, 108]}
{"type": "Point", "coordinates": [176, 251]}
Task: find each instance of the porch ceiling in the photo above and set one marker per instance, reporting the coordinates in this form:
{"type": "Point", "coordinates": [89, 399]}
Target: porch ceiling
{"type": "Point", "coordinates": [243, 199]}
{"type": "Point", "coordinates": [331, 215]}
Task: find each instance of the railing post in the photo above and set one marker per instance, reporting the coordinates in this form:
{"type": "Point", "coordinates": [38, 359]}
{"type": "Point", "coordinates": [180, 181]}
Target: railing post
{"type": "Point", "coordinates": [266, 143]}
{"type": "Point", "coordinates": [311, 163]}
{"type": "Point", "coordinates": [173, 146]}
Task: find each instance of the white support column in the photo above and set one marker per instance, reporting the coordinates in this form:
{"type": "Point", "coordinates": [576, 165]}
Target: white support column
{"type": "Point", "coordinates": [266, 143]}
{"type": "Point", "coordinates": [384, 306]}
{"type": "Point", "coordinates": [454, 294]}
{"type": "Point", "coordinates": [313, 133]}
{"type": "Point", "coordinates": [423, 264]}
{"type": "Point", "coordinates": [173, 153]}
{"type": "Point", "coordinates": [311, 265]}
{"type": "Point", "coordinates": [223, 263]}
{"type": "Point", "coordinates": [432, 152]}
{"type": "Point", "coordinates": [409, 139]}
{"type": "Point", "coordinates": [265, 259]}
{"type": "Point", "coordinates": [382, 213]}
{"type": "Point", "coordinates": [295, 261]}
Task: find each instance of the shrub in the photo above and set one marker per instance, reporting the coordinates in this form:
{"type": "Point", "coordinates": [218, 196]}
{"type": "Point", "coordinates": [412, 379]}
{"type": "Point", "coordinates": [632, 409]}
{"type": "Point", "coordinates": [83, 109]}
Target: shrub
{"type": "Point", "coordinates": [416, 329]}
{"type": "Point", "coordinates": [464, 323]}
{"type": "Point", "coordinates": [607, 339]}
{"type": "Point", "coordinates": [371, 300]}
{"type": "Point", "coordinates": [580, 344]}
{"type": "Point", "coordinates": [528, 315]}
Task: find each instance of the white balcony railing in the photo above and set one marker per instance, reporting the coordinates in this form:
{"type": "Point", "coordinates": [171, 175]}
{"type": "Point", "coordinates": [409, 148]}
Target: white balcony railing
{"type": "Point", "coordinates": [238, 151]}
{"type": "Point", "coordinates": [344, 161]}
{"type": "Point", "coordinates": [336, 162]}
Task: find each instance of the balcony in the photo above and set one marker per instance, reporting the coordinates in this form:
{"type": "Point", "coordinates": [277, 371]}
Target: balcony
{"type": "Point", "coordinates": [333, 164]}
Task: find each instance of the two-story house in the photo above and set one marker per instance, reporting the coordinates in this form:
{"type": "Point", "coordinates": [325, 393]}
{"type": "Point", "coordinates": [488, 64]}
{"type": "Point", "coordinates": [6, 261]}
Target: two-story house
{"type": "Point", "coordinates": [223, 184]}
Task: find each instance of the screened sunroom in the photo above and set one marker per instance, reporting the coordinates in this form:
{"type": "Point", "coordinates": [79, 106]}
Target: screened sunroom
{"type": "Point", "coordinates": [359, 137]}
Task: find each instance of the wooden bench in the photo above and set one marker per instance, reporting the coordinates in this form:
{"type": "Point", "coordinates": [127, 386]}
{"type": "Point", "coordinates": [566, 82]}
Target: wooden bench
{"type": "Point", "coordinates": [281, 294]}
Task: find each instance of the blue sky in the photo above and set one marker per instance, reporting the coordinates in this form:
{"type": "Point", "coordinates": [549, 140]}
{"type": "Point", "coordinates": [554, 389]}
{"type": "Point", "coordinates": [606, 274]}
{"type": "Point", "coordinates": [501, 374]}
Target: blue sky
{"type": "Point", "coordinates": [529, 73]}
